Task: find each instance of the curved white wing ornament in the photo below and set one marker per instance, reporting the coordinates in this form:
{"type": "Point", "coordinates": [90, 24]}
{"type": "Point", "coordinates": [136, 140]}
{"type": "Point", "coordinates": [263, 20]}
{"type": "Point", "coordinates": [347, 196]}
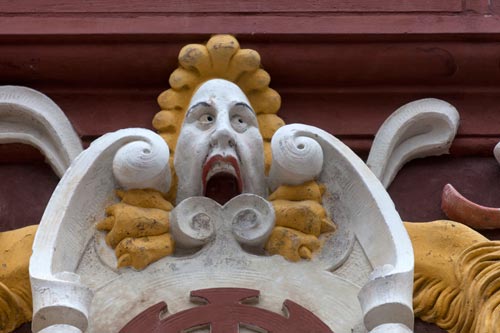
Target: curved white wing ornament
{"type": "Point", "coordinates": [77, 287]}
{"type": "Point", "coordinates": [421, 128]}
{"type": "Point", "coordinates": [28, 116]}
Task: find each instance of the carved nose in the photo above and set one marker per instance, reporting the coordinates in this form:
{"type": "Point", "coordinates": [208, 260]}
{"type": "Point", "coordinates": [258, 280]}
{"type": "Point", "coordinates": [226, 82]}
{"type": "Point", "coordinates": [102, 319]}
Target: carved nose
{"type": "Point", "coordinates": [222, 139]}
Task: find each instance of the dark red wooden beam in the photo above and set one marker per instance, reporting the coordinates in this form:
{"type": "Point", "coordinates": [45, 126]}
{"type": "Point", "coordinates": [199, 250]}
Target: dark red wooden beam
{"type": "Point", "coordinates": [12, 24]}
{"type": "Point", "coordinates": [228, 6]}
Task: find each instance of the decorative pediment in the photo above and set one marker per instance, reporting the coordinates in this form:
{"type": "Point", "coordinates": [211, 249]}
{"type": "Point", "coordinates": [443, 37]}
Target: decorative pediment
{"type": "Point", "coordinates": [357, 277]}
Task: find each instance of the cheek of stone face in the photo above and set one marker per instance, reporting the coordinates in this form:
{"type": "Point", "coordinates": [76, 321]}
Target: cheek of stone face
{"type": "Point", "coordinates": [190, 153]}
{"type": "Point", "coordinates": [193, 143]}
{"type": "Point", "coordinates": [252, 161]}
{"type": "Point", "coordinates": [252, 145]}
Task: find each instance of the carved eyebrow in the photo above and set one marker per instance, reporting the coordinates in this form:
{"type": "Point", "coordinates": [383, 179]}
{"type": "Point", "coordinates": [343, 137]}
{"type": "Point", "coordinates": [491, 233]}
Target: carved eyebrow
{"type": "Point", "coordinates": [245, 105]}
{"type": "Point", "coordinates": [205, 104]}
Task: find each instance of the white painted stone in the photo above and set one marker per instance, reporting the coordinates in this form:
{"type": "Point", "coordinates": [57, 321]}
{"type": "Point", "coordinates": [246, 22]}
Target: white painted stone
{"type": "Point", "coordinates": [425, 127]}
{"type": "Point", "coordinates": [368, 258]}
{"type": "Point", "coordinates": [296, 159]}
{"type": "Point", "coordinates": [28, 116]}
{"type": "Point", "coordinates": [496, 152]}
{"type": "Point", "coordinates": [252, 219]}
{"type": "Point", "coordinates": [219, 124]}
{"type": "Point", "coordinates": [61, 329]}
{"type": "Point", "coordinates": [142, 164]}
{"type": "Point", "coordinates": [75, 272]}
{"type": "Point", "coordinates": [192, 224]}
{"type": "Point", "coordinates": [67, 227]}
{"type": "Point", "coordinates": [391, 328]}
{"type": "Point", "coordinates": [194, 220]}
{"type": "Point", "coordinates": [370, 214]}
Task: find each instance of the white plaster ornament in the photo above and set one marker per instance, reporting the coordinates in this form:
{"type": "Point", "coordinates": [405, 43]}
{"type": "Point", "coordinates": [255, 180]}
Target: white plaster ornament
{"type": "Point", "coordinates": [361, 280]}
{"type": "Point", "coordinates": [421, 128]}
{"type": "Point", "coordinates": [496, 152]}
{"type": "Point", "coordinates": [28, 116]}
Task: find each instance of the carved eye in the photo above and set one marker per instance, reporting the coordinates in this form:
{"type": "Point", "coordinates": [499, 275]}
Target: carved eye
{"type": "Point", "coordinates": [206, 119]}
{"type": "Point", "coordinates": [239, 123]}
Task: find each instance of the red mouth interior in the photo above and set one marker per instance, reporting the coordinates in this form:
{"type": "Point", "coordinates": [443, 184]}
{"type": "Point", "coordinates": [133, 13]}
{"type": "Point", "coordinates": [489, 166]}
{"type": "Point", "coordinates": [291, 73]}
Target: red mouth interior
{"type": "Point", "coordinates": [222, 187]}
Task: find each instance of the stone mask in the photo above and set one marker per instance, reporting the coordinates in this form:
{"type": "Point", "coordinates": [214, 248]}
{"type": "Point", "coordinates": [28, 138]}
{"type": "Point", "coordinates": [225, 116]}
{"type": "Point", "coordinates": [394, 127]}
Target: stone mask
{"type": "Point", "coordinates": [219, 153]}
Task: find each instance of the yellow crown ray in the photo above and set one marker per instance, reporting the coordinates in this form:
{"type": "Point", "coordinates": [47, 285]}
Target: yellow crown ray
{"type": "Point", "coordinates": [220, 58]}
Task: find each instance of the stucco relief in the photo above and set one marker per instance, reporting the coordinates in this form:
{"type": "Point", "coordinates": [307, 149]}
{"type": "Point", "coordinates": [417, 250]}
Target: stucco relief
{"type": "Point", "coordinates": [228, 196]}
{"type": "Point", "coordinates": [179, 235]}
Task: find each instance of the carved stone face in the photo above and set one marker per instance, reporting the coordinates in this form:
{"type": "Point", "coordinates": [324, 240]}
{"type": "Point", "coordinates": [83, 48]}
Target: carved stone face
{"type": "Point", "coordinates": [219, 151]}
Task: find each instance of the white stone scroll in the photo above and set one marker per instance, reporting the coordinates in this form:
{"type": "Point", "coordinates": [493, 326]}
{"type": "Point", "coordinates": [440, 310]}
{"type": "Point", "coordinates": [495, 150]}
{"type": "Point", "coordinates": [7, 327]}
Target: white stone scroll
{"type": "Point", "coordinates": [421, 128]}
{"type": "Point", "coordinates": [360, 281]}
{"type": "Point", "coordinates": [28, 116]}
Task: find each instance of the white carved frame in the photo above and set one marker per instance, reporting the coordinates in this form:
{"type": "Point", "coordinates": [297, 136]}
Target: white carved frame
{"type": "Point", "coordinates": [62, 302]}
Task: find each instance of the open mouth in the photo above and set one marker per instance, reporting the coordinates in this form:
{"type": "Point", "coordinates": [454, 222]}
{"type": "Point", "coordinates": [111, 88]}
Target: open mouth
{"type": "Point", "coordinates": [221, 178]}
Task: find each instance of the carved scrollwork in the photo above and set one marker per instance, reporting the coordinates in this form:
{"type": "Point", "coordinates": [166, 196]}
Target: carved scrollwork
{"type": "Point", "coordinates": [252, 219]}
{"type": "Point", "coordinates": [193, 222]}
{"type": "Point", "coordinates": [28, 116]}
{"type": "Point", "coordinates": [196, 221]}
{"type": "Point", "coordinates": [296, 158]}
{"type": "Point", "coordinates": [143, 164]}
{"type": "Point", "coordinates": [352, 194]}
